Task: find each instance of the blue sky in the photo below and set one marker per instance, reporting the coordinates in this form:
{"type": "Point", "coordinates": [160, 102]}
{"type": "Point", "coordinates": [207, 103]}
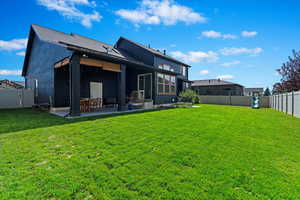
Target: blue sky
{"type": "Point", "coordinates": [240, 41]}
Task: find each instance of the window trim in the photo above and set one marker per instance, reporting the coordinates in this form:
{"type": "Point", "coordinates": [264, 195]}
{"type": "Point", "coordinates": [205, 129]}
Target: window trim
{"type": "Point", "coordinates": [168, 68]}
{"type": "Point", "coordinates": [163, 83]}
{"type": "Point", "coordinates": [183, 70]}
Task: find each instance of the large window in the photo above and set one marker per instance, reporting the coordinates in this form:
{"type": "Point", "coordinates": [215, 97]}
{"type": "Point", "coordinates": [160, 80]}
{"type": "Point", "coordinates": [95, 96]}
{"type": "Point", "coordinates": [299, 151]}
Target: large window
{"type": "Point", "coordinates": [166, 84]}
{"type": "Point", "coordinates": [166, 67]}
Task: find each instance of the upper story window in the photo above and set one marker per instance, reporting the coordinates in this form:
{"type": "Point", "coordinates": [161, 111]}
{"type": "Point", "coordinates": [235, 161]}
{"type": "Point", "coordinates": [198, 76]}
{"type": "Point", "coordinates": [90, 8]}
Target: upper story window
{"type": "Point", "coordinates": [166, 67]}
{"type": "Point", "coordinates": [183, 70]}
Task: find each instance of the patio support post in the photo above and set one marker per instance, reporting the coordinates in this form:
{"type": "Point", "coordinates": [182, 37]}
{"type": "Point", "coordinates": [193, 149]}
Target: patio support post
{"type": "Point", "coordinates": [74, 71]}
{"type": "Point", "coordinates": [122, 88]}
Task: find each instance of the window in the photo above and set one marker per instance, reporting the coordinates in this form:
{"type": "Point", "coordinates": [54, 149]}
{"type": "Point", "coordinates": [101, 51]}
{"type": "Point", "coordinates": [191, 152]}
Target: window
{"type": "Point", "coordinates": [183, 70]}
{"type": "Point", "coordinates": [166, 84]}
{"type": "Point", "coordinates": [185, 85]}
{"type": "Point", "coordinates": [160, 83]}
{"type": "Point", "coordinates": [166, 67]}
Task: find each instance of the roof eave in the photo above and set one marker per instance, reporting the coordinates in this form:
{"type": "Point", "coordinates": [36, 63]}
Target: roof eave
{"type": "Point", "coordinates": [28, 51]}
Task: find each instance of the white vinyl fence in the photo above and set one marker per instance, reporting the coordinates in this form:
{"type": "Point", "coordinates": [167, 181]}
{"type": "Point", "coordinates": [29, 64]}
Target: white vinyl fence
{"type": "Point", "coordinates": [233, 100]}
{"type": "Point", "coordinates": [287, 102]}
{"type": "Point", "coordinates": [16, 98]}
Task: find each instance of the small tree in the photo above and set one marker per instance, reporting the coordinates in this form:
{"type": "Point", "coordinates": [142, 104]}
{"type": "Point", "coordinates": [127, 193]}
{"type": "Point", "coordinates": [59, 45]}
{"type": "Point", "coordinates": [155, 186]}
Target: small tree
{"type": "Point", "coordinates": [267, 92]}
{"type": "Point", "coordinates": [290, 75]}
{"type": "Point", "coordinates": [189, 96]}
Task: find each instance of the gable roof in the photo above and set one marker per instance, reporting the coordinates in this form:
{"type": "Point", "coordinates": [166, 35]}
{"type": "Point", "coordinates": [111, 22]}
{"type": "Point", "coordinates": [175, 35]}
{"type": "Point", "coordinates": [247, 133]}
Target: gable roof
{"type": "Point", "coordinates": [66, 40]}
{"type": "Point", "coordinates": [74, 42]}
{"type": "Point", "coordinates": [54, 36]}
{"type": "Point", "coordinates": [153, 51]}
{"type": "Point", "coordinates": [213, 82]}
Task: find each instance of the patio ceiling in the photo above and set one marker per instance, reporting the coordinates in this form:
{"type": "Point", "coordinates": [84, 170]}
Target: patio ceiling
{"type": "Point", "coordinates": [108, 66]}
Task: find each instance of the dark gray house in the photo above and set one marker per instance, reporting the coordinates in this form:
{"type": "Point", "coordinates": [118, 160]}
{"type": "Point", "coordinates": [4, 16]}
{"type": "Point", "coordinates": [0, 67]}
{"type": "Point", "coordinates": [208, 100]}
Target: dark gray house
{"type": "Point", "coordinates": [65, 68]}
{"type": "Point", "coordinates": [217, 87]}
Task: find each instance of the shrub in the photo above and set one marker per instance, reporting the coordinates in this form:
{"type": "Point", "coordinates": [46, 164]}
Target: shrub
{"type": "Point", "coordinates": [189, 96]}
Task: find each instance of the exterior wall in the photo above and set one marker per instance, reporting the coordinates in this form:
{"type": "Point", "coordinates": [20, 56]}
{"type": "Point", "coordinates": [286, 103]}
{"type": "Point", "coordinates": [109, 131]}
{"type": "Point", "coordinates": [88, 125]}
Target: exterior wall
{"type": "Point", "coordinates": [164, 99]}
{"type": "Point", "coordinates": [108, 79]}
{"type": "Point", "coordinates": [233, 90]}
{"type": "Point", "coordinates": [175, 66]}
{"type": "Point", "coordinates": [137, 52]}
{"type": "Point", "coordinates": [41, 68]}
{"type": "Point", "coordinates": [252, 91]}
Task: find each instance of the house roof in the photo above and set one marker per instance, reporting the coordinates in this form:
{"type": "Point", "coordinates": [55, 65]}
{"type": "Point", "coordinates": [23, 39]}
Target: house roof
{"type": "Point", "coordinates": [54, 36]}
{"type": "Point", "coordinates": [15, 84]}
{"type": "Point", "coordinates": [153, 51]}
{"type": "Point", "coordinates": [213, 82]}
{"type": "Point", "coordinates": [77, 42]}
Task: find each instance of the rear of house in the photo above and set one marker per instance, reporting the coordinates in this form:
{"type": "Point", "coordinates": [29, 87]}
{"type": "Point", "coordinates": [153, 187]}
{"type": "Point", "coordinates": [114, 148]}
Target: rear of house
{"type": "Point", "coordinates": [65, 69]}
{"type": "Point", "coordinates": [217, 87]}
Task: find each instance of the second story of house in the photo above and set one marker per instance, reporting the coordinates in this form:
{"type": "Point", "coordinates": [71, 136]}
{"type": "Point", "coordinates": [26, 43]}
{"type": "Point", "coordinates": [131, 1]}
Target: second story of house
{"type": "Point", "coordinates": [153, 57]}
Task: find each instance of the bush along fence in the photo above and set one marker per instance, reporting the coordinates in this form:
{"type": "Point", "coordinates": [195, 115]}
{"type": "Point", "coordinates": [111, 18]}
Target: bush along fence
{"type": "Point", "coordinates": [287, 102]}
{"type": "Point", "coordinates": [16, 98]}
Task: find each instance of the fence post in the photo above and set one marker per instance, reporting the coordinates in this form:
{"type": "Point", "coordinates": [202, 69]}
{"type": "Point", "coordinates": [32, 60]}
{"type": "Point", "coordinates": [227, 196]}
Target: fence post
{"type": "Point", "coordinates": [278, 99]}
{"type": "Point", "coordinates": [293, 106]}
{"type": "Point", "coordinates": [286, 103]}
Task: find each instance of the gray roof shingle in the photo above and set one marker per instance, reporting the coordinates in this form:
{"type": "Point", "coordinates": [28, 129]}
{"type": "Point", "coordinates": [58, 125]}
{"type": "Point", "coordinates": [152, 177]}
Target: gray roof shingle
{"type": "Point", "coordinates": [54, 36]}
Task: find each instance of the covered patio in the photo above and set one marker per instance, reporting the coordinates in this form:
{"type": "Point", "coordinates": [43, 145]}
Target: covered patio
{"type": "Point", "coordinates": [86, 85]}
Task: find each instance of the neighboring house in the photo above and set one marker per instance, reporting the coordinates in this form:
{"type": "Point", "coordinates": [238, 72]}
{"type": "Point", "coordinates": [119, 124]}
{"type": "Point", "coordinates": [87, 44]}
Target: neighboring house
{"type": "Point", "coordinates": [11, 84]}
{"type": "Point", "coordinates": [253, 91]}
{"type": "Point", "coordinates": [64, 68]}
{"type": "Point", "coordinates": [217, 87]}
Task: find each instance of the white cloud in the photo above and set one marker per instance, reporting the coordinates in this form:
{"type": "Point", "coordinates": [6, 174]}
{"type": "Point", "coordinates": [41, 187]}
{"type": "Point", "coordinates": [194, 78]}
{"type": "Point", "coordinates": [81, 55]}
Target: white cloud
{"type": "Point", "coordinates": [15, 44]}
{"type": "Point", "coordinates": [21, 53]}
{"type": "Point", "coordinates": [196, 56]}
{"type": "Point", "coordinates": [215, 34]}
{"type": "Point", "coordinates": [204, 72]}
{"type": "Point", "coordinates": [10, 72]}
{"type": "Point", "coordinates": [235, 51]}
{"type": "Point", "coordinates": [249, 33]}
{"type": "Point", "coordinates": [225, 77]}
{"type": "Point", "coordinates": [67, 8]}
{"type": "Point", "coordinates": [228, 64]}
{"type": "Point", "coordinates": [173, 45]}
{"type": "Point", "coordinates": [229, 36]}
{"type": "Point", "coordinates": [165, 12]}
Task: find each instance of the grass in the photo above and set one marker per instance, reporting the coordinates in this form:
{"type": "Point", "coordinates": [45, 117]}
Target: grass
{"type": "Point", "coordinates": [210, 152]}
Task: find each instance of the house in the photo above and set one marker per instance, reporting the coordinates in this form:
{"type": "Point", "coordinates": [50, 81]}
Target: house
{"type": "Point", "coordinates": [217, 87]}
{"type": "Point", "coordinates": [253, 91]}
{"type": "Point", "coordinates": [64, 69]}
{"type": "Point", "coordinates": [7, 84]}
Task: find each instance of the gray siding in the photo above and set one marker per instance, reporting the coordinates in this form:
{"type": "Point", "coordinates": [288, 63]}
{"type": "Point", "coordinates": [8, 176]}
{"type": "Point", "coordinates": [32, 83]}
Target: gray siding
{"type": "Point", "coordinates": [41, 67]}
{"type": "Point", "coordinates": [175, 66]}
{"type": "Point", "coordinates": [137, 52]}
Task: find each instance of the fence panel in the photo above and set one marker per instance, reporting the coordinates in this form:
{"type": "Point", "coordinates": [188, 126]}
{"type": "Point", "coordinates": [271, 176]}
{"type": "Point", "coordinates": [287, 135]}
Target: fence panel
{"type": "Point", "coordinates": [240, 100]}
{"type": "Point", "coordinates": [222, 100]}
{"type": "Point", "coordinates": [288, 103]}
{"type": "Point", "coordinates": [297, 104]}
{"type": "Point", "coordinates": [16, 98]}
{"type": "Point", "coordinates": [233, 100]}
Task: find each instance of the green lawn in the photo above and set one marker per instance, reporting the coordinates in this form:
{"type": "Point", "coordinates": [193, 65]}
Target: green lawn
{"type": "Point", "coordinates": [211, 152]}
